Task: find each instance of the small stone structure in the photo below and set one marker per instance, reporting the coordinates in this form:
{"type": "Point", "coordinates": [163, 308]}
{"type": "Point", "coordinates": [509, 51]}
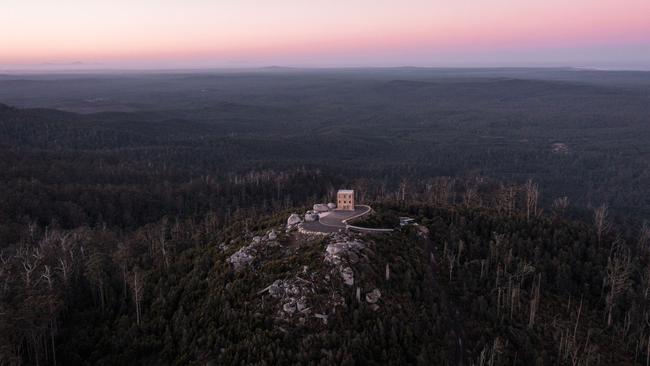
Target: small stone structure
{"type": "Point", "coordinates": [345, 199]}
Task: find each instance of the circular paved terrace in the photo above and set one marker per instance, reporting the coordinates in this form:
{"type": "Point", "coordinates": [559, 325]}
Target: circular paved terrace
{"type": "Point", "coordinates": [333, 221]}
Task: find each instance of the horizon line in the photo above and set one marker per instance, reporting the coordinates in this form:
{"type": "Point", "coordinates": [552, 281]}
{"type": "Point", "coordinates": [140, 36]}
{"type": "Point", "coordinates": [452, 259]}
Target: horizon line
{"type": "Point", "coordinates": [114, 69]}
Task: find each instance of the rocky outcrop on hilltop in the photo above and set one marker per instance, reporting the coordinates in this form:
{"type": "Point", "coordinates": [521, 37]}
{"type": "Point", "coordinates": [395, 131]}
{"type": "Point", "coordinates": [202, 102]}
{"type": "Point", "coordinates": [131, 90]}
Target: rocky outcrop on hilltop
{"type": "Point", "coordinates": [307, 291]}
{"type": "Point", "coordinates": [342, 254]}
{"type": "Point", "coordinates": [321, 207]}
{"type": "Point", "coordinates": [293, 221]}
{"type": "Point", "coordinates": [311, 216]}
{"type": "Point", "coordinates": [246, 254]}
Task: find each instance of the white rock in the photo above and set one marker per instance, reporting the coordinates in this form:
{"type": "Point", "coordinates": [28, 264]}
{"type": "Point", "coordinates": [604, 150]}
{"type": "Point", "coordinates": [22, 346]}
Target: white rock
{"type": "Point", "coordinates": [331, 206]}
{"type": "Point", "coordinates": [294, 290]}
{"type": "Point", "coordinates": [310, 217]}
{"type": "Point", "coordinates": [320, 207]}
{"type": "Point", "coordinates": [348, 276]}
{"type": "Point", "coordinates": [323, 317]}
{"type": "Point", "coordinates": [275, 290]}
{"type": "Point", "coordinates": [336, 249]}
{"type": "Point", "coordinates": [356, 245]}
{"type": "Point", "coordinates": [373, 296]}
{"type": "Point", "coordinates": [301, 304]}
{"type": "Point", "coordinates": [294, 219]}
{"type": "Point", "coordinates": [289, 307]}
{"type": "Point", "coordinates": [272, 235]}
{"type": "Point", "coordinates": [240, 258]}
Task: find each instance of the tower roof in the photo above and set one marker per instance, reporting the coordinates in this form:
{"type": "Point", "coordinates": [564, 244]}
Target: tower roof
{"type": "Point", "coordinates": [350, 191]}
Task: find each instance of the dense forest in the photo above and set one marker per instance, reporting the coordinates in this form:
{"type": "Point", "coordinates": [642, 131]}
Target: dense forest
{"type": "Point", "coordinates": [125, 198]}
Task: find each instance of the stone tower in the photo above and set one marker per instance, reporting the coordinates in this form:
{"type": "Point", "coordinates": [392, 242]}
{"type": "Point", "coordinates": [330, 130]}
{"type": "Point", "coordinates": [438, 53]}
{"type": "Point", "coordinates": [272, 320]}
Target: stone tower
{"type": "Point", "coordinates": [345, 200]}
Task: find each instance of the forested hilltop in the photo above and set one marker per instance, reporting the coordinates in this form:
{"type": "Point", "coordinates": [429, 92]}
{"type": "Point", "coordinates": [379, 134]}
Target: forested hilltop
{"type": "Point", "coordinates": [473, 284]}
{"type": "Point", "coordinates": [125, 199]}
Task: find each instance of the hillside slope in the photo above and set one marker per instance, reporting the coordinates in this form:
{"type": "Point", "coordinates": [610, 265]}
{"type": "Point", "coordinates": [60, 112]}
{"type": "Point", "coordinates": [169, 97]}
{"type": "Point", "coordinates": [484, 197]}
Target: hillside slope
{"type": "Point", "coordinates": [463, 287]}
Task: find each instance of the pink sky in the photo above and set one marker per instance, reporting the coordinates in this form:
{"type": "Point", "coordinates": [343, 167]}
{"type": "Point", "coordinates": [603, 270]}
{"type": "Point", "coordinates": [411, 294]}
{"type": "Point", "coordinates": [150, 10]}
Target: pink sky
{"type": "Point", "coordinates": [236, 33]}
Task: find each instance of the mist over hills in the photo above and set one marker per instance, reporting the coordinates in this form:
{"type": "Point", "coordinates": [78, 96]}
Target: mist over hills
{"type": "Point", "coordinates": [429, 121]}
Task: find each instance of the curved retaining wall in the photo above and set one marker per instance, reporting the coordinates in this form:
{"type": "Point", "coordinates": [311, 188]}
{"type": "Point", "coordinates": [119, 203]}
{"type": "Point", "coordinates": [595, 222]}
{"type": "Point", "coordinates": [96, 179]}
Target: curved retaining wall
{"type": "Point", "coordinates": [367, 229]}
{"type": "Point", "coordinates": [364, 229]}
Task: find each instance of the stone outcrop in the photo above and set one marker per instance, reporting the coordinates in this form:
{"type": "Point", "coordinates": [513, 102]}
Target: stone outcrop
{"type": "Point", "coordinates": [323, 317]}
{"type": "Point", "coordinates": [293, 220]}
{"type": "Point", "coordinates": [310, 295]}
{"type": "Point", "coordinates": [340, 251]}
{"type": "Point", "coordinates": [293, 295]}
{"type": "Point", "coordinates": [321, 207]}
{"type": "Point", "coordinates": [311, 216]}
{"type": "Point", "coordinates": [246, 254]}
{"type": "Point", "coordinates": [342, 254]}
{"type": "Point", "coordinates": [348, 276]}
{"type": "Point", "coordinates": [301, 304]}
{"type": "Point", "coordinates": [272, 235]}
{"type": "Point", "coordinates": [241, 258]}
{"type": "Point", "coordinates": [331, 206]}
{"type": "Point", "coordinates": [373, 296]}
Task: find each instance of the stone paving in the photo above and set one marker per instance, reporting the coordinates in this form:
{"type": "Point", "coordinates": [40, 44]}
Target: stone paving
{"type": "Point", "coordinates": [332, 221]}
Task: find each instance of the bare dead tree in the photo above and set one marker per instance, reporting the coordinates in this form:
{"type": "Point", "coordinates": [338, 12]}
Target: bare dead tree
{"type": "Point", "coordinates": [560, 205]}
{"type": "Point", "coordinates": [137, 285]}
{"type": "Point", "coordinates": [601, 222]}
{"type": "Point", "coordinates": [507, 197]}
{"type": "Point", "coordinates": [647, 352]}
{"type": "Point", "coordinates": [644, 235]}
{"type": "Point", "coordinates": [29, 263]}
{"type": "Point", "coordinates": [95, 271]}
{"type": "Point", "coordinates": [124, 256]}
{"type": "Point", "coordinates": [163, 243]}
{"type": "Point", "coordinates": [489, 353]}
{"type": "Point", "coordinates": [532, 197]}
{"type": "Point", "coordinates": [64, 268]}
{"type": "Point", "coordinates": [645, 281]}
{"type": "Point", "coordinates": [497, 245]}
{"type": "Point", "coordinates": [451, 261]}
{"type": "Point", "coordinates": [361, 187]}
{"type": "Point", "coordinates": [483, 262]}
{"type": "Point", "coordinates": [575, 328]}
{"type": "Point", "coordinates": [534, 301]}
{"type": "Point", "coordinates": [401, 195]}
{"type": "Point", "coordinates": [441, 191]}
{"type": "Point", "coordinates": [617, 277]}
{"type": "Point", "coordinates": [5, 270]}
{"type": "Point", "coordinates": [47, 275]}
{"type": "Point", "coordinates": [382, 191]}
{"type": "Point", "coordinates": [470, 196]}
